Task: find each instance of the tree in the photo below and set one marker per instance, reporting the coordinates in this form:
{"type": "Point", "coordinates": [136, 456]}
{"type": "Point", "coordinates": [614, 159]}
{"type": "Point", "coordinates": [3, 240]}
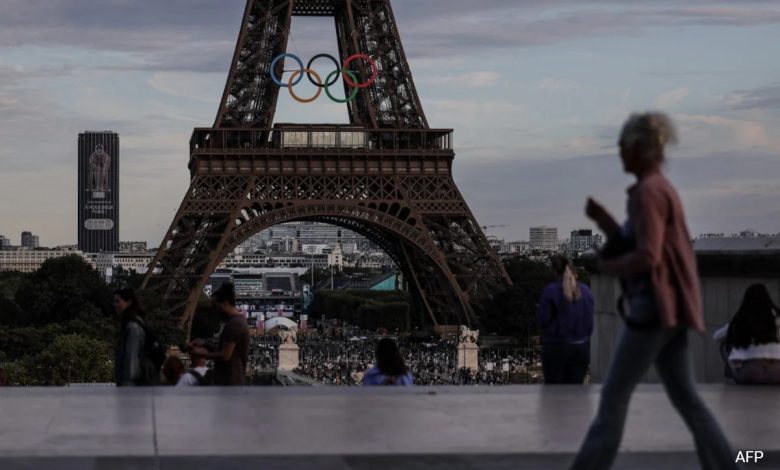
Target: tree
{"type": "Point", "coordinates": [70, 358]}
{"type": "Point", "coordinates": [9, 282]}
{"type": "Point", "coordinates": [513, 312]}
{"type": "Point", "coordinates": [10, 313]}
{"type": "Point", "coordinates": [160, 320]}
{"type": "Point", "coordinates": [75, 358]}
{"type": "Point", "coordinates": [62, 290]}
{"type": "Point", "coordinates": [366, 309]}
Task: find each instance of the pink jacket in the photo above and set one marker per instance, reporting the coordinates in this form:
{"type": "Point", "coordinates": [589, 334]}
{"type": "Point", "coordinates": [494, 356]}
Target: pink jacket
{"type": "Point", "coordinates": [664, 249]}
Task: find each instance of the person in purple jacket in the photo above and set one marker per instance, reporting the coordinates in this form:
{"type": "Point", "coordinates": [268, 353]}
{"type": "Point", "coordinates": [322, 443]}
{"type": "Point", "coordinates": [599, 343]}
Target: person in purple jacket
{"type": "Point", "coordinates": [390, 368]}
{"type": "Point", "coordinates": [566, 320]}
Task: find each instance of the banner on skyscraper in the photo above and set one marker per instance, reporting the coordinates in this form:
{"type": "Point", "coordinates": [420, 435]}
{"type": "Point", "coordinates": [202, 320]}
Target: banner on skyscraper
{"type": "Point", "coordinates": [98, 192]}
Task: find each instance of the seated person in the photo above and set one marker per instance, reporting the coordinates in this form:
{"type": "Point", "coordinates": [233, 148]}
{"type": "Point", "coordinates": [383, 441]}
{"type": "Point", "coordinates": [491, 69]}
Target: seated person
{"type": "Point", "coordinates": [390, 367]}
{"type": "Point", "coordinates": [751, 340]}
{"type": "Point", "coordinates": [199, 374]}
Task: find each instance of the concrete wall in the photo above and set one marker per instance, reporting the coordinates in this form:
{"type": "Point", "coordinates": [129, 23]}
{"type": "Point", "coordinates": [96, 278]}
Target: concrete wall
{"type": "Point", "coordinates": [722, 296]}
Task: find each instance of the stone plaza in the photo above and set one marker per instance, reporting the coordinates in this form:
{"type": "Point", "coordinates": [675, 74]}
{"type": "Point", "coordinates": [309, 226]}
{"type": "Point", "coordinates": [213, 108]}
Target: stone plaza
{"type": "Point", "coordinates": [329, 428]}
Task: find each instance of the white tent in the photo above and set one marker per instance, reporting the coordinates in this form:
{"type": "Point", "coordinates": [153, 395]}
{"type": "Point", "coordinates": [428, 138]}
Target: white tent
{"type": "Point", "coordinates": [277, 322]}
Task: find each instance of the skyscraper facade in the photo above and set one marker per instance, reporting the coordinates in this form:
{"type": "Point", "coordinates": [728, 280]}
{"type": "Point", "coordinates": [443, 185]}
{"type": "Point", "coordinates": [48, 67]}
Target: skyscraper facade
{"type": "Point", "coordinates": [5, 243]}
{"type": "Point", "coordinates": [583, 240]}
{"type": "Point", "coordinates": [98, 187]}
{"type": "Point", "coordinates": [29, 240]}
{"type": "Point", "coordinates": [544, 238]}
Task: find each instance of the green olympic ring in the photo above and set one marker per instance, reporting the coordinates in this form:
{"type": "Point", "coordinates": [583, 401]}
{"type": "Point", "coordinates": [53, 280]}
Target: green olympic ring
{"type": "Point", "coordinates": [351, 97]}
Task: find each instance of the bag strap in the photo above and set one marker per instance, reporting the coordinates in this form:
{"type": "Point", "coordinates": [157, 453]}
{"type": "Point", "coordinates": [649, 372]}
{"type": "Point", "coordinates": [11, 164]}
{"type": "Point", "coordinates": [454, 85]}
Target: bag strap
{"type": "Point", "coordinates": [197, 376]}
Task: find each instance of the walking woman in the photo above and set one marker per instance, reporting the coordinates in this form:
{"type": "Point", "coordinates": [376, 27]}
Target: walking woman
{"type": "Point", "coordinates": [390, 367]}
{"type": "Point", "coordinates": [566, 320]}
{"type": "Point", "coordinates": [658, 272]}
{"type": "Point", "coordinates": [131, 366]}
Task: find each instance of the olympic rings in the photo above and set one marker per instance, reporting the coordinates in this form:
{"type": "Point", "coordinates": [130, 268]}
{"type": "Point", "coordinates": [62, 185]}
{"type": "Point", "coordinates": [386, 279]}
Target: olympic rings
{"type": "Point", "coordinates": [351, 97]}
{"type": "Point", "coordinates": [349, 76]}
{"type": "Point", "coordinates": [297, 73]}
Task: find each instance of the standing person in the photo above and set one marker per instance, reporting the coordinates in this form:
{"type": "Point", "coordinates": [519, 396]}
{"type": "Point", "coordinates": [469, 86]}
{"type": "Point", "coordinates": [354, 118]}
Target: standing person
{"type": "Point", "coordinates": [132, 366]}
{"type": "Point", "coordinates": [390, 368]}
{"type": "Point", "coordinates": [566, 319]}
{"type": "Point", "coordinates": [751, 340]}
{"type": "Point", "coordinates": [658, 269]}
{"type": "Point", "coordinates": [233, 354]}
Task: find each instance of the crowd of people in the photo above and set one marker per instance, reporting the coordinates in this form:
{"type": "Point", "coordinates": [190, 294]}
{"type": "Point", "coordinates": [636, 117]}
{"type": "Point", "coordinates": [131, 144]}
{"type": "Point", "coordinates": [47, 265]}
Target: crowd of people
{"type": "Point", "coordinates": [340, 360]}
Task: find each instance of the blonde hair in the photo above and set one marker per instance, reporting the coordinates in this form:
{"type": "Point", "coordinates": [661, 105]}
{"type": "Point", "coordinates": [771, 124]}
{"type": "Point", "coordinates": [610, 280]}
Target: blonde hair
{"type": "Point", "coordinates": [651, 133]}
{"type": "Point", "coordinates": [571, 288]}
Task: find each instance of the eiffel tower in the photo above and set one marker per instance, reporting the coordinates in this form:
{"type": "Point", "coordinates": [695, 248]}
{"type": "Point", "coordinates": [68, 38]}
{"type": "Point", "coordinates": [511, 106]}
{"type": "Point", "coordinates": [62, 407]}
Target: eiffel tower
{"type": "Point", "coordinates": [387, 175]}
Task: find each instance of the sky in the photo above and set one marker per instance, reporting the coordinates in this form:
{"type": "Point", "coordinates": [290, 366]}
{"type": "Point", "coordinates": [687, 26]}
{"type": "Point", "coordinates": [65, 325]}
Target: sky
{"type": "Point", "coordinates": [536, 91]}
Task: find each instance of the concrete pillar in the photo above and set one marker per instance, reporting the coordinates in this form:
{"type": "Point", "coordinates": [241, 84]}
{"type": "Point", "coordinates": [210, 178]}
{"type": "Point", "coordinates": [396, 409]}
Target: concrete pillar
{"type": "Point", "coordinates": [468, 356]}
{"type": "Point", "coordinates": [289, 356]}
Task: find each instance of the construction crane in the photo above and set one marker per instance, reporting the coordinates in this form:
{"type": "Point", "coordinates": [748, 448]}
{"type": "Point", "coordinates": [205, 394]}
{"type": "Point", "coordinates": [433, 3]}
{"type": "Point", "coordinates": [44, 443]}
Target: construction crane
{"type": "Point", "coordinates": [485, 227]}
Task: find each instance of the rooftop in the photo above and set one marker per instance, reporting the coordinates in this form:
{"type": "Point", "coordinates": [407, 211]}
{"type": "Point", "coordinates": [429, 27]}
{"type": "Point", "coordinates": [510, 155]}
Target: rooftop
{"type": "Point", "coordinates": [518, 427]}
{"type": "Point", "coordinates": [742, 245]}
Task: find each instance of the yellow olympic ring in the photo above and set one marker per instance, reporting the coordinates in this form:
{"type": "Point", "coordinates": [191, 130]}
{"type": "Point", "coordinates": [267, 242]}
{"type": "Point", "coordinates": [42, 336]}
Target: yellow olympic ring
{"type": "Point", "coordinates": [292, 79]}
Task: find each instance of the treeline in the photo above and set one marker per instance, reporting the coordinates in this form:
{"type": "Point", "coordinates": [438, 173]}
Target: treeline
{"type": "Point", "coordinates": [508, 313]}
{"type": "Point", "coordinates": [58, 325]}
{"type": "Point", "coordinates": [366, 309]}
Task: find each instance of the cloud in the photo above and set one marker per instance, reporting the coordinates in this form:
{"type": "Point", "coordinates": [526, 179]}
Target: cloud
{"type": "Point", "coordinates": [559, 84]}
{"type": "Point", "coordinates": [732, 133]}
{"type": "Point", "coordinates": [197, 34]}
{"type": "Point", "coordinates": [552, 192]}
{"type": "Point", "coordinates": [186, 85]}
{"type": "Point", "coordinates": [482, 79]}
{"type": "Point", "coordinates": [460, 28]}
{"type": "Point", "coordinates": [767, 98]}
{"type": "Point", "coordinates": [671, 98]}
{"type": "Point", "coordinates": [153, 66]}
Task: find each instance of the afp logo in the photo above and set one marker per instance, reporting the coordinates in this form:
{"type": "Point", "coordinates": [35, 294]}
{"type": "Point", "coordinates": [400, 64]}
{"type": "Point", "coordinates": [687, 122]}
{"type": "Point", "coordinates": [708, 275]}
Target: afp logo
{"type": "Point", "coordinates": [749, 456]}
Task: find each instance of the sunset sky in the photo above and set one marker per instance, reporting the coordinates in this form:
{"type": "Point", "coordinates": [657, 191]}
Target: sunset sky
{"type": "Point", "coordinates": [535, 90]}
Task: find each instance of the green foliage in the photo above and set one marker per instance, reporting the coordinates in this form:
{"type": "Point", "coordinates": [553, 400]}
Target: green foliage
{"type": "Point", "coordinates": [366, 309]}
{"type": "Point", "coordinates": [159, 320]}
{"type": "Point", "coordinates": [10, 313]}
{"type": "Point", "coordinates": [9, 283]}
{"type": "Point", "coordinates": [68, 359]}
{"type": "Point", "coordinates": [122, 277]}
{"type": "Point", "coordinates": [58, 324]}
{"type": "Point", "coordinates": [18, 343]}
{"type": "Point", "coordinates": [62, 290]}
{"type": "Point", "coordinates": [513, 312]}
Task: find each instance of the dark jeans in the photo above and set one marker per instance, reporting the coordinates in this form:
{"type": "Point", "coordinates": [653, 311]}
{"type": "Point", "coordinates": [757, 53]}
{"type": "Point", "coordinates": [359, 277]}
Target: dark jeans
{"type": "Point", "coordinates": [565, 363]}
{"type": "Point", "coordinates": [635, 353]}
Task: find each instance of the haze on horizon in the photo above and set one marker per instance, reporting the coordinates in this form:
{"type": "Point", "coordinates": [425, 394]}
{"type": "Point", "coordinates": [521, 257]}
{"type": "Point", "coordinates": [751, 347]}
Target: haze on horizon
{"type": "Point", "coordinates": [535, 90]}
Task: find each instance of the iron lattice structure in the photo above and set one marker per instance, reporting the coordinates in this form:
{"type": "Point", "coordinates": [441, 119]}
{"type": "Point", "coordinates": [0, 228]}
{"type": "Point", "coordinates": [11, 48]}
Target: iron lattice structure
{"type": "Point", "coordinates": [387, 175]}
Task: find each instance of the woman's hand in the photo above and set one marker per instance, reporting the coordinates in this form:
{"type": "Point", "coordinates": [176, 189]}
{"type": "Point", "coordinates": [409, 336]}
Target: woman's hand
{"type": "Point", "coordinates": [597, 213]}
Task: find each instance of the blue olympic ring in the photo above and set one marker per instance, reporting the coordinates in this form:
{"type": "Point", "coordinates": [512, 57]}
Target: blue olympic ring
{"type": "Point", "coordinates": [276, 61]}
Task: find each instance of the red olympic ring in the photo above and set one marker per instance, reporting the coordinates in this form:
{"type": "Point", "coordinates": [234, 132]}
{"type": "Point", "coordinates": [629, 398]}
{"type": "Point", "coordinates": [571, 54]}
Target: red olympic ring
{"type": "Point", "coordinates": [374, 69]}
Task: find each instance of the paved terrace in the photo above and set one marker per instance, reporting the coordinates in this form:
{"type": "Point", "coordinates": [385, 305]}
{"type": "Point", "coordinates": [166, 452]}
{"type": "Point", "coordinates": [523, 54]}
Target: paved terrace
{"type": "Point", "coordinates": [322, 428]}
